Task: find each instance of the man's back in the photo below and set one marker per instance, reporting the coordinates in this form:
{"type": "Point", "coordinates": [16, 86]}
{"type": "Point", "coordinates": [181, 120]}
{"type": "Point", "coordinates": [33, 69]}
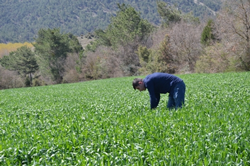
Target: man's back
{"type": "Point", "coordinates": [160, 82]}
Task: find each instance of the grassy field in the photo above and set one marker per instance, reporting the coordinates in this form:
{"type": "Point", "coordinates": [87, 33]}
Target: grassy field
{"type": "Point", "coordinates": [106, 122]}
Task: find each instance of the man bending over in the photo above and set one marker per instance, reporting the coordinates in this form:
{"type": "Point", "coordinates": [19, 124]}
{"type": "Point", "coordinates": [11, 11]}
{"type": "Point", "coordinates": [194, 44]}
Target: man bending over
{"type": "Point", "coordinates": [158, 83]}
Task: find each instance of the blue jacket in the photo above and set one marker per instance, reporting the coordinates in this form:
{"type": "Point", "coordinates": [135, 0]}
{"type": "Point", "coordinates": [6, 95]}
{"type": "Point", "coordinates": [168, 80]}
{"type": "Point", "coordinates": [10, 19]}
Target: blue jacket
{"type": "Point", "coordinates": [157, 83]}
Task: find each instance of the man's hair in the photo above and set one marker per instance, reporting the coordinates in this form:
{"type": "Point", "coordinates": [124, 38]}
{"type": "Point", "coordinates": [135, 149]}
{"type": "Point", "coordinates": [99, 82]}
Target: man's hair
{"type": "Point", "coordinates": [135, 82]}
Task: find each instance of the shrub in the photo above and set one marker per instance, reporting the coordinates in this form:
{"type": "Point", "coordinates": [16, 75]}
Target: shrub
{"type": "Point", "coordinates": [10, 79]}
{"type": "Point", "coordinates": [215, 59]}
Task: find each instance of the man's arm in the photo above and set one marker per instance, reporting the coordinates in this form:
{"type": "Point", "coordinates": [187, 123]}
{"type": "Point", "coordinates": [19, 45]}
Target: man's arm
{"type": "Point", "coordinates": [154, 98]}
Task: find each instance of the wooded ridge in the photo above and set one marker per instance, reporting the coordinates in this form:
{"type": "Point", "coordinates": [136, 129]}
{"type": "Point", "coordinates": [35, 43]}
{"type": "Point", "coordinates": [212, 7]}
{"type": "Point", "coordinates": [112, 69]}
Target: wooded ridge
{"type": "Point", "coordinates": [22, 19]}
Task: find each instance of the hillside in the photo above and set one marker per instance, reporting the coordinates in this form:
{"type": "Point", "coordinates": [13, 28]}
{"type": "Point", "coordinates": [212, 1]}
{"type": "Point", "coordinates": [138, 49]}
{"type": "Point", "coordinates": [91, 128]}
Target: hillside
{"type": "Point", "coordinates": [21, 19]}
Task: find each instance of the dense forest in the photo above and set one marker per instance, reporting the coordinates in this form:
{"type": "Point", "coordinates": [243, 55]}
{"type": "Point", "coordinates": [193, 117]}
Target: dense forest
{"type": "Point", "coordinates": [22, 19]}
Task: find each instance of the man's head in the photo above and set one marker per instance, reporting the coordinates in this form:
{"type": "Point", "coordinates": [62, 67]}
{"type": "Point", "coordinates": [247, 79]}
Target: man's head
{"type": "Point", "coordinates": [138, 84]}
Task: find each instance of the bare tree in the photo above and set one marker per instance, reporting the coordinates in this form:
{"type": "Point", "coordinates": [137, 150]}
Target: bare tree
{"type": "Point", "coordinates": [157, 37]}
{"type": "Point", "coordinates": [10, 79]}
{"type": "Point", "coordinates": [103, 63]}
{"type": "Point", "coordinates": [111, 64]}
{"type": "Point", "coordinates": [233, 23]}
{"type": "Point", "coordinates": [185, 43]}
{"type": "Point", "coordinates": [72, 66]}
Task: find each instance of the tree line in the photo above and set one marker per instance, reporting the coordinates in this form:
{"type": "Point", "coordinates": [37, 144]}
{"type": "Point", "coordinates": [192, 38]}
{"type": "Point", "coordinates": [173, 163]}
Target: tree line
{"type": "Point", "coordinates": [21, 20]}
{"type": "Point", "coordinates": [131, 45]}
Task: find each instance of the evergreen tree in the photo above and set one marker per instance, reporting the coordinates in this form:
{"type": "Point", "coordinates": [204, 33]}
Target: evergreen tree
{"type": "Point", "coordinates": [23, 61]}
{"type": "Point", "coordinates": [51, 48]}
{"type": "Point", "coordinates": [207, 35]}
{"type": "Point", "coordinates": [128, 30]}
{"type": "Point", "coordinates": [169, 14]}
{"type": "Point", "coordinates": [126, 26]}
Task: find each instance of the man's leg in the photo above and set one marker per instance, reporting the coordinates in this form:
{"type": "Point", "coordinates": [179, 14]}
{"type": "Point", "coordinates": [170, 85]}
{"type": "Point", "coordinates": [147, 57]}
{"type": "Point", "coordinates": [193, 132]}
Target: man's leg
{"type": "Point", "coordinates": [179, 95]}
{"type": "Point", "coordinates": [171, 103]}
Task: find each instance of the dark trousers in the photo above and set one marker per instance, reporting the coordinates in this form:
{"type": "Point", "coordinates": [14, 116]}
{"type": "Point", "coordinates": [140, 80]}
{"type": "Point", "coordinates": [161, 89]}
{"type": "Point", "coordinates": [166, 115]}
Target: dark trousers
{"type": "Point", "coordinates": [176, 100]}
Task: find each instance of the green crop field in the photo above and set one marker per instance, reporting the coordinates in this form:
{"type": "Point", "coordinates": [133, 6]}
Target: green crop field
{"type": "Point", "coordinates": [106, 122]}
